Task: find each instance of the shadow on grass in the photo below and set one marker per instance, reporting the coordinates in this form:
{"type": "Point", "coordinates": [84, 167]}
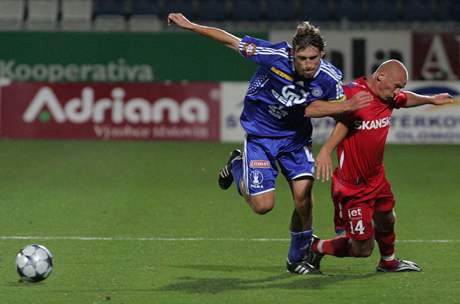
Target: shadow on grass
{"type": "Point", "coordinates": [215, 285]}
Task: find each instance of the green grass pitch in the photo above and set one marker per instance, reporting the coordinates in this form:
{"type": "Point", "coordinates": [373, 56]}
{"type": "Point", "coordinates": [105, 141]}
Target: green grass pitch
{"type": "Point", "coordinates": [144, 222]}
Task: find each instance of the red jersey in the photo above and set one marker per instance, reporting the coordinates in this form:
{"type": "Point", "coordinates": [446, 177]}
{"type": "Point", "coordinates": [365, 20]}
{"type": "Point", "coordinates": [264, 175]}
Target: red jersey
{"type": "Point", "coordinates": [360, 154]}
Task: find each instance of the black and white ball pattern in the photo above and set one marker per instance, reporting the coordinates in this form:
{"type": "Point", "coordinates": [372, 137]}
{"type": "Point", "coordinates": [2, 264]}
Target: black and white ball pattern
{"type": "Point", "coordinates": [34, 263]}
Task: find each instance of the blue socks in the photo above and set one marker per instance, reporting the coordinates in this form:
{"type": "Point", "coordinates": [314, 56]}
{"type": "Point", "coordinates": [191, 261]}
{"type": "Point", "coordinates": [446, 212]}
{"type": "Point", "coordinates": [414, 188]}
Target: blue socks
{"type": "Point", "coordinates": [237, 172]}
{"type": "Point", "coordinates": [299, 244]}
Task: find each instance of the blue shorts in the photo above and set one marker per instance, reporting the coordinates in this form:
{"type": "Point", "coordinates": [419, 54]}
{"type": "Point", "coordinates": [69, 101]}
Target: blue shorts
{"type": "Point", "coordinates": [262, 156]}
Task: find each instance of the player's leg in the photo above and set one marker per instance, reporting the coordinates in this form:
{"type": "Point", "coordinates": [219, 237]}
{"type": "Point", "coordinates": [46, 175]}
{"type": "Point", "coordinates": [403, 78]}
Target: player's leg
{"type": "Point", "coordinates": [301, 227]}
{"type": "Point", "coordinates": [302, 216]}
{"type": "Point", "coordinates": [358, 241]}
{"type": "Point", "coordinates": [298, 168]}
{"type": "Point", "coordinates": [384, 219]}
{"type": "Point", "coordinates": [385, 234]}
{"type": "Point", "coordinates": [255, 174]}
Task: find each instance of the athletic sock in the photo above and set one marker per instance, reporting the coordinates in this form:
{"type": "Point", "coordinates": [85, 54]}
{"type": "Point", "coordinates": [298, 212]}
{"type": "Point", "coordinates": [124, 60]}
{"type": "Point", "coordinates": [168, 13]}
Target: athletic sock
{"type": "Point", "coordinates": [237, 172]}
{"type": "Point", "coordinates": [339, 247]}
{"type": "Point", "coordinates": [386, 242]}
{"type": "Point", "coordinates": [299, 244]}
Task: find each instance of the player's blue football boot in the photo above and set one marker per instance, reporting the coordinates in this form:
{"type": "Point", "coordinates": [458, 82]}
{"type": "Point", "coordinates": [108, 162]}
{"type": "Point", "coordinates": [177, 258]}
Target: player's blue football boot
{"type": "Point", "coordinates": [225, 174]}
{"type": "Point", "coordinates": [400, 266]}
{"type": "Point", "coordinates": [302, 268]}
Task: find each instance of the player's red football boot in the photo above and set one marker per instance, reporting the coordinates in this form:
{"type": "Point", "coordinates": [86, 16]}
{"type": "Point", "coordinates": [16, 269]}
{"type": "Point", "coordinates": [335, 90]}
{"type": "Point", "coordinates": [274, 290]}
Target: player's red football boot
{"type": "Point", "coordinates": [397, 265]}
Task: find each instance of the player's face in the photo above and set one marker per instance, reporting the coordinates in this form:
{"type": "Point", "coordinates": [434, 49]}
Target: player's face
{"type": "Point", "coordinates": [307, 61]}
{"type": "Point", "coordinates": [391, 85]}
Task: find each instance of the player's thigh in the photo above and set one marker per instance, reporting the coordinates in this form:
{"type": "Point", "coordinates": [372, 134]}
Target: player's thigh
{"type": "Point", "coordinates": [384, 216]}
{"type": "Point", "coordinates": [362, 248]}
{"type": "Point", "coordinates": [259, 169]}
{"type": "Point", "coordinates": [301, 189]}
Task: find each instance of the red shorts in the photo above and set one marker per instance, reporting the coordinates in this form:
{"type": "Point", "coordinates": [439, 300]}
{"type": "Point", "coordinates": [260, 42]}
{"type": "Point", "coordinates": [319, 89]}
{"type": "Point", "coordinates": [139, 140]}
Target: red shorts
{"type": "Point", "coordinates": [354, 205]}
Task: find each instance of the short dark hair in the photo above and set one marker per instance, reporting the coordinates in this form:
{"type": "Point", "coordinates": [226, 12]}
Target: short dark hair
{"type": "Point", "coordinates": [307, 35]}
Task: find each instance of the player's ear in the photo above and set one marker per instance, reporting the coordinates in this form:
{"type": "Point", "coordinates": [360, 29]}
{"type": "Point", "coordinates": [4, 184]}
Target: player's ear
{"type": "Point", "coordinates": [322, 54]}
{"type": "Point", "coordinates": [380, 76]}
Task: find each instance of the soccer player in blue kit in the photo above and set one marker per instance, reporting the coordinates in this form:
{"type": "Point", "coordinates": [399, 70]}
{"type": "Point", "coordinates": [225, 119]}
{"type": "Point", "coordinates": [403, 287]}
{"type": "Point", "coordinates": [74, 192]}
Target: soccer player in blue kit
{"type": "Point", "coordinates": [290, 85]}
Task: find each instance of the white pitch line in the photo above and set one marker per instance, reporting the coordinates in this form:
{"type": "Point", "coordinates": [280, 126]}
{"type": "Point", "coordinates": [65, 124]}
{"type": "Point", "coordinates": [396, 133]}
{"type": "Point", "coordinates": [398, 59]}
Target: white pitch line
{"type": "Point", "coordinates": [178, 239]}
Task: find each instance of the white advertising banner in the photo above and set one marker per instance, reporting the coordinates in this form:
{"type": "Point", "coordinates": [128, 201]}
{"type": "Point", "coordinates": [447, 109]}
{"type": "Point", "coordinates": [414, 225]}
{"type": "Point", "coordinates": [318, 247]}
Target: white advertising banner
{"type": "Point", "coordinates": [358, 53]}
{"type": "Point", "coordinates": [425, 124]}
{"type": "Point", "coordinates": [232, 95]}
{"type": "Point", "coordinates": [428, 124]}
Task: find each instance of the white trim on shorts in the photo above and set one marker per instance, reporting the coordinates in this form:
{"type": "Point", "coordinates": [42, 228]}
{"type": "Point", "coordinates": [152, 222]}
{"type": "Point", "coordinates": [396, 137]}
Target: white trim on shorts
{"type": "Point", "coordinates": [303, 174]}
{"type": "Point", "coordinates": [262, 192]}
{"type": "Point", "coordinates": [245, 166]}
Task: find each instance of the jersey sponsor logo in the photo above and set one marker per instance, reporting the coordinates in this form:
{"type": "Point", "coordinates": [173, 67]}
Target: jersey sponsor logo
{"type": "Point", "coordinates": [281, 74]}
{"type": "Point", "coordinates": [277, 111]}
{"type": "Point", "coordinates": [256, 179]}
{"type": "Point", "coordinates": [290, 96]}
{"type": "Point", "coordinates": [249, 49]}
{"type": "Point", "coordinates": [372, 124]}
{"type": "Point", "coordinates": [355, 213]}
{"type": "Point", "coordinates": [259, 164]}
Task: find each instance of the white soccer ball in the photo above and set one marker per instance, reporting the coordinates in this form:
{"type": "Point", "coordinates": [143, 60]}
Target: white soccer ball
{"type": "Point", "coordinates": [34, 263]}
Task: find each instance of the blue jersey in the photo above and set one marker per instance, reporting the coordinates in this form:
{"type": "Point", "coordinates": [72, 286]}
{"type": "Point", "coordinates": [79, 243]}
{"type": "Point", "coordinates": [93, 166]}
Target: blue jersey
{"type": "Point", "coordinates": [275, 101]}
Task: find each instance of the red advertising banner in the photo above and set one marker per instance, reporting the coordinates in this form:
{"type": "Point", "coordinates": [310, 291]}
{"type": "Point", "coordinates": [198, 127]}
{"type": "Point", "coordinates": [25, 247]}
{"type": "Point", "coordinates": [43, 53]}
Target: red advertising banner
{"type": "Point", "coordinates": [111, 111]}
{"type": "Point", "coordinates": [436, 56]}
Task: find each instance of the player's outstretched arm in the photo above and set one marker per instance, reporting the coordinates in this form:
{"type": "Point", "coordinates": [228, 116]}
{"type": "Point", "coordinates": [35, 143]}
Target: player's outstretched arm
{"type": "Point", "coordinates": [320, 108]}
{"type": "Point", "coordinates": [215, 33]}
{"type": "Point", "coordinates": [323, 160]}
{"type": "Point", "coordinates": [414, 99]}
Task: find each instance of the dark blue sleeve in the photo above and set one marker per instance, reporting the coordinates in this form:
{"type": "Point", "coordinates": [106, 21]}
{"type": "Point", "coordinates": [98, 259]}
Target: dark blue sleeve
{"type": "Point", "coordinates": [335, 91]}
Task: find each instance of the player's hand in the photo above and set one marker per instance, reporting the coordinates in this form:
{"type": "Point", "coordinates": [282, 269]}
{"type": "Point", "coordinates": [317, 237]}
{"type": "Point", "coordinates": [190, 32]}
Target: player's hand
{"type": "Point", "coordinates": [323, 165]}
{"type": "Point", "coordinates": [442, 98]}
{"type": "Point", "coordinates": [180, 20]}
{"type": "Point", "coordinates": [358, 101]}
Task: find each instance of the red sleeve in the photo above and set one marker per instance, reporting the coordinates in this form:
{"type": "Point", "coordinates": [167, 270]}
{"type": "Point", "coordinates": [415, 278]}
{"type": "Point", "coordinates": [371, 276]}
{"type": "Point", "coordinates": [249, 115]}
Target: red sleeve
{"type": "Point", "coordinates": [400, 100]}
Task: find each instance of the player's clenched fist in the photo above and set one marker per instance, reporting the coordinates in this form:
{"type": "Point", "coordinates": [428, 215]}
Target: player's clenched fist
{"type": "Point", "coordinates": [180, 20]}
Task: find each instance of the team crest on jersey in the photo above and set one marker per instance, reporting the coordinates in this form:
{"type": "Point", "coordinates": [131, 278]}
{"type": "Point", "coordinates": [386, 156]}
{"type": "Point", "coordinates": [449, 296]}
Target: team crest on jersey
{"type": "Point", "coordinates": [256, 179]}
{"type": "Point", "coordinates": [316, 92]}
{"type": "Point", "coordinates": [249, 49]}
{"type": "Point", "coordinates": [263, 164]}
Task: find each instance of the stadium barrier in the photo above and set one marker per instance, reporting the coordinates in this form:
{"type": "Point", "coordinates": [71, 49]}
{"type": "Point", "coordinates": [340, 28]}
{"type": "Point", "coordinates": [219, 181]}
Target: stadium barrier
{"type": "Point", "coordinates": [193, 111]}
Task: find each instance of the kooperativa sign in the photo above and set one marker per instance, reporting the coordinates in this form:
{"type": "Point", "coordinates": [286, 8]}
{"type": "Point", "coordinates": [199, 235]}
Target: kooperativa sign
{"type": "Point", "coordinates": [119, 70]}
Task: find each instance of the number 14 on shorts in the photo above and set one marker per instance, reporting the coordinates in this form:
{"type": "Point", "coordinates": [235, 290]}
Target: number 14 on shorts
{"type": "Point", "coordinates": [357, 227]}
{"type": "Point", "coordinates": [356, 221]}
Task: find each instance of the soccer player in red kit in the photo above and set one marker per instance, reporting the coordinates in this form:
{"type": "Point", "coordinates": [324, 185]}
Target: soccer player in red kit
{"type": "Point", "coordinates": [361, 193]}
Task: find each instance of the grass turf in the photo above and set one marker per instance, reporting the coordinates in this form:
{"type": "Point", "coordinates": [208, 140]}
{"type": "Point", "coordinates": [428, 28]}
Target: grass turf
{"type": "Point", "coordinates": [134, 193]}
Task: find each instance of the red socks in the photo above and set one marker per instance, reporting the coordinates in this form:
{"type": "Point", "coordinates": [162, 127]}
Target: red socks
{"type": "Point", "coordinates": [386, 242]}
{"type": "Point", "coordinates": [339, 247]}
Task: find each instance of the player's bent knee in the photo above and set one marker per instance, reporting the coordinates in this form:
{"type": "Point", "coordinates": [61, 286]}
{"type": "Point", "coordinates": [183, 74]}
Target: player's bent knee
{"type": "Point", "coordinates": [362, 249]}
{"type": "Point", "coordinates": [262, 204]}
{"type": "Point", "coordinates": [384, 222]}
{"type": "Point", "coordinates": [262, 209]}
